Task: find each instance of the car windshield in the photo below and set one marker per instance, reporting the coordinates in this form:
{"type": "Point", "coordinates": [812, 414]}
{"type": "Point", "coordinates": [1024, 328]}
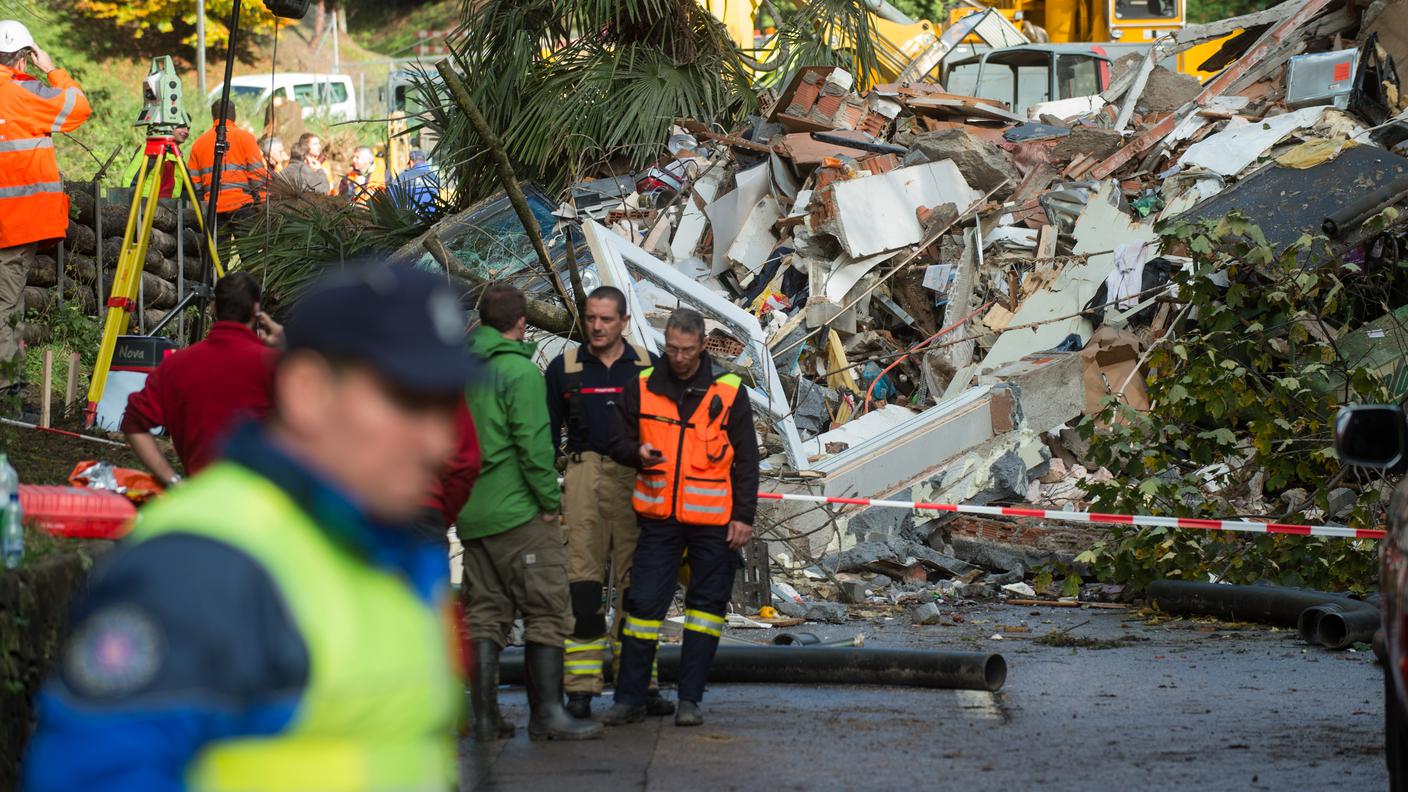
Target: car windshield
{"type": "Point", "coordinates": [490, 240]}
{"type": "Point", "coordinates": [246, 91]}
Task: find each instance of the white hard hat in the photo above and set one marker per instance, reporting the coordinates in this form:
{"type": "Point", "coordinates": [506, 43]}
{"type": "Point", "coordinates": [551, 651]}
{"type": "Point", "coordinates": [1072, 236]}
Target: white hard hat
{"type": "Point", "coordinates": [14, 36]}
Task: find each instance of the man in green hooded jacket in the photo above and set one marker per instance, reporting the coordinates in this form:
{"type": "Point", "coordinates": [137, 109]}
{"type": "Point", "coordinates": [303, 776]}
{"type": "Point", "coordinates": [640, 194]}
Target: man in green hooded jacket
{"type": "Point", "coordinates": [515, 554]}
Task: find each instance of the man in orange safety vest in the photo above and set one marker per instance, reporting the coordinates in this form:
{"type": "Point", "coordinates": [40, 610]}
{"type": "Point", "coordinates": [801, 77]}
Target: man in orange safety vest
{"type": "Point", "coordinates": [33, 205]}
{"type": "Point", "coordinates": [243, 173]}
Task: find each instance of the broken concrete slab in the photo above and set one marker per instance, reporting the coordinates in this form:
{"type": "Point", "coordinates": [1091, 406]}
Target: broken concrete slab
{"type": "Point", "coordinates": [983, 165]}
{"type": "Point", "coordinates": [892, 196]}
{"type": "Point", "coordinates": [1050, 384]}
{"type": "Point", "coordinates": [898, 551]}
{"type": "Point", "coordinates": [829, 612]}
{"type": "Point", "coordinates": [1005, 558]}
{"type": "Point", "coordinates": [1164, 91]}
{"type": "Point", "coordinates": [898, 456]}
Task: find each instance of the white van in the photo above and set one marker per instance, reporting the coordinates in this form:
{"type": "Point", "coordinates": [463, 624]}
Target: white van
{"type": "Point", "coordinates": [328, 95]}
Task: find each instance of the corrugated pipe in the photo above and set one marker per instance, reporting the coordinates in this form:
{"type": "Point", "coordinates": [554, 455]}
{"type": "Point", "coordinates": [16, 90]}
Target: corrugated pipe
{"type": "Point", "coordinates": [1334, 621]}
{"type": "Point", "coordinates": [820, 665]}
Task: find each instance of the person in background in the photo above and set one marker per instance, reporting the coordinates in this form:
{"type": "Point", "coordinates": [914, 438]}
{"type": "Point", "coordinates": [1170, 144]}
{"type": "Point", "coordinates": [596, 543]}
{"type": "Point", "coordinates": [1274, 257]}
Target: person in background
{"type": "Point", "coordinates": [33, 204]}
{"type": "Point", "coordinates": [418, 186]}
{"type": "Point", "coordinates": [514, 557]}
{"type": "Point", "coordinates": [273, 624]}
{"type": "Point", "coordinates": [442, 506]}
{"type": "Point", "coordinates": [169, 183]}
{"type": "Point", "coordinates": [689, 433]}
{"type": "Point", "coordinates": [305, 169]}
{"type": "Point", "coordinates": [275, 156]}
{"type": "Point", "coordinates": [243, 173]}
{"type": "Point", "coordinates": [200, 393]}
{"type": "Point", "coordinates": [361, 179]}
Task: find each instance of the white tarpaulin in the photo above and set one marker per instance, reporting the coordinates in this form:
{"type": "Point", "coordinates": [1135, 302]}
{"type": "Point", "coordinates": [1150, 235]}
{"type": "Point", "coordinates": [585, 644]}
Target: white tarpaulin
{"type": "Point", "coordinates": [1230, 151]}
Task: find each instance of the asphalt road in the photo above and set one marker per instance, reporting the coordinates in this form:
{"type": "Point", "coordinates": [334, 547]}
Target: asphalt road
{"type": "Point", "coordinates": [1175, 705]}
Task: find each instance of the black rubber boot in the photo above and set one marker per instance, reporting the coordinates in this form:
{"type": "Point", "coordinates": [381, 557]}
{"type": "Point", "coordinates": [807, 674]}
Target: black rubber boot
{"type": "Point", "coordinates": [489, 724]}
{"type": "Point", "coordinates": [622, 714]}
{"type": "Point", "coordinates": [579, 705]}
{"type": "Point", "coordinates": [657, 706]}
{"type": "Point", "coordinates": [689, 714]}
{"type": "Point", "coordinates": [549, 720]}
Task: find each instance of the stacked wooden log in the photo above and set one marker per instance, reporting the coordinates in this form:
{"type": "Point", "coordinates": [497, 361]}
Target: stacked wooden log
{"type": "Point", "coordinates": [159, 272]}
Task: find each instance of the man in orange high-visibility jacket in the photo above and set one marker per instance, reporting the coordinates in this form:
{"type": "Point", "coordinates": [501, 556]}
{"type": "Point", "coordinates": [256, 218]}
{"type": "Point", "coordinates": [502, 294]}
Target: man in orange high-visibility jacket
{"type": "Point", "coordinates": [688, 432]}
{"type": "Point", "coordinates": [243, 173]}
{"type": "Point", "coordinates": [33, 206]}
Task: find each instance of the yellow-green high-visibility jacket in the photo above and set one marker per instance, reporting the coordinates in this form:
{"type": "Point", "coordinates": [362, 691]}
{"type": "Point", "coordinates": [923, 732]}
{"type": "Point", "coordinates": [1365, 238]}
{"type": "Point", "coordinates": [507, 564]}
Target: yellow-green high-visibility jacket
{"type": "Point", "coordinates": [363, 694]}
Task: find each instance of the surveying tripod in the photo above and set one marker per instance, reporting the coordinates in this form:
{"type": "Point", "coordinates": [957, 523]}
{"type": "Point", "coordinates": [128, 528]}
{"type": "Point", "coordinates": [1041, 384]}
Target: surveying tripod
{"type": "Point", "coordinates": [136, 238]}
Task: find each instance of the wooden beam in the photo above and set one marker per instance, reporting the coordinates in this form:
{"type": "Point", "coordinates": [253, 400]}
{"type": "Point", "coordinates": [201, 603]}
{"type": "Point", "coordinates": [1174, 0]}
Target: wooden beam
{"type": "Point", "coordinates": [46, 394]}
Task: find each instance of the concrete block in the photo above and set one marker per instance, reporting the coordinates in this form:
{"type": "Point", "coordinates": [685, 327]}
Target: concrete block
{"type": "Point", "coordinates": [853, 590]}
{"type": "Point", "coordinates": [830, 612]}
{"type": "Point", "coordinates": [928, 613]}
{"type": "Point", "coordinates": [983, 164]}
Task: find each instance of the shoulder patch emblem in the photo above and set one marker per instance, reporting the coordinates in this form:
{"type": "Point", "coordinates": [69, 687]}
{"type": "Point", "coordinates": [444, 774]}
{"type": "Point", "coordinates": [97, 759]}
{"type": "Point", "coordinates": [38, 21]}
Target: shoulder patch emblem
{"type": "Point", "coordinates": [115, 651]}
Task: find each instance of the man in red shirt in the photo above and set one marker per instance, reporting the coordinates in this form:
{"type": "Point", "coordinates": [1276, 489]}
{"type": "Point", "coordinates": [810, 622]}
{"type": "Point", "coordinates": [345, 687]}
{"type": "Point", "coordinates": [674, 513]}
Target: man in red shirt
{"type": "Point", "coordinates": [200, 393]}
{"type": "Point", "coordinates": [451, 492]}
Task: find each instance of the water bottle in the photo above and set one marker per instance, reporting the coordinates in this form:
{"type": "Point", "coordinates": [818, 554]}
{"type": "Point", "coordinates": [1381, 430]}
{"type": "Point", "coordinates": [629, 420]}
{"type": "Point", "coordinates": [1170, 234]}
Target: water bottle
{"type": "Point", "coordinates": [12, 521]}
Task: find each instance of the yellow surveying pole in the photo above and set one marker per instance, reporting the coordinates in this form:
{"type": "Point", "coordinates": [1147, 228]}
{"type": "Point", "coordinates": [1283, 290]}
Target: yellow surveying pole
{"type": "Point", "coordinates": [136, 238]}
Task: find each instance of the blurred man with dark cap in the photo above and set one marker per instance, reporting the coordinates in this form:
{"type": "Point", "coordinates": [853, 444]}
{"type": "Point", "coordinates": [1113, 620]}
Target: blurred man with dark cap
{"type": "Point", "coordinates": [274, 624]}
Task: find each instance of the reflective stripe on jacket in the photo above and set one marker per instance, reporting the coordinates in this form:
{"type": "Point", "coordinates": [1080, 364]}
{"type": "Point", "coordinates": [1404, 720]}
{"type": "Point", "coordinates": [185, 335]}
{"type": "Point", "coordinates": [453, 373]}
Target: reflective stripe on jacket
{"type": "Point", "coordinates": [694, 482]}
{"type": "Point", "coordinates": [33, 205]}
{"type": "Point", "coordinates": [381, 700]}
{"type": "Point", "coordinates": [243, 172]}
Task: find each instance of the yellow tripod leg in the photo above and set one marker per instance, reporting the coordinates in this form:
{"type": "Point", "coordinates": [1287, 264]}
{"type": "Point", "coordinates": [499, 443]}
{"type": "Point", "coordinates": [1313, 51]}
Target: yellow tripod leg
{"type": "Point", "coordinates": [126, 279]}
{"type": "Point", "coordinates": [200, 219]}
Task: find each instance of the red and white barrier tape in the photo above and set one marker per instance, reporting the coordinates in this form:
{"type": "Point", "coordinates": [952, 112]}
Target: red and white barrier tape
{"type": "Point", "coordinates": [1248, 526]}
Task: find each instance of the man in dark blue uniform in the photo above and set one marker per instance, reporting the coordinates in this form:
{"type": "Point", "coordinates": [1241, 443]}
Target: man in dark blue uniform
{"type": "Point", "coordinates": [585, 388]}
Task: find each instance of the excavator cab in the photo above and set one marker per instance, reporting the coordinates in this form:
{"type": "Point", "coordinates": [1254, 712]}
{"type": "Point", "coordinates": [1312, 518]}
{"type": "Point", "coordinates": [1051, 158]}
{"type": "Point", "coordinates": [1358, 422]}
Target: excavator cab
{"type": "Point", "coordinates": [1029, 74]}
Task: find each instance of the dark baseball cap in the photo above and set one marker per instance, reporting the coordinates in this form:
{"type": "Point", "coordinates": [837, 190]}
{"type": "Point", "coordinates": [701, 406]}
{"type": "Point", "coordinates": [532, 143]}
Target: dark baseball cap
{"type": "Point", "coordinates": [406, 324]}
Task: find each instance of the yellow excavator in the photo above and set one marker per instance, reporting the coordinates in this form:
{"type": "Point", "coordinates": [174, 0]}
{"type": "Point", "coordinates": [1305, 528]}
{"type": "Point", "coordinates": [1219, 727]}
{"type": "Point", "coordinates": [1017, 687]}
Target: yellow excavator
{"type": "Point", "coordinates": [1119, 24]}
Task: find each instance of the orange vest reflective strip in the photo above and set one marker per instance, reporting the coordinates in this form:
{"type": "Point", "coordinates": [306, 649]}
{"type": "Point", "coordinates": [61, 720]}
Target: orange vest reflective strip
{"type": "Point", "coordinates": [694, 482]}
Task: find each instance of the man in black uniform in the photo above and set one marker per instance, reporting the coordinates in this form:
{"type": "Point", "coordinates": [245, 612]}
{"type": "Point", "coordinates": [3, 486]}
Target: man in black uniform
{"type": "Point", "coordinates": [585, 384]}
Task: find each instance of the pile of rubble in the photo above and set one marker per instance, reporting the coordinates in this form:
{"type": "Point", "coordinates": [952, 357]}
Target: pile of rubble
{"type": "Point", "coordinates": [928, 290]}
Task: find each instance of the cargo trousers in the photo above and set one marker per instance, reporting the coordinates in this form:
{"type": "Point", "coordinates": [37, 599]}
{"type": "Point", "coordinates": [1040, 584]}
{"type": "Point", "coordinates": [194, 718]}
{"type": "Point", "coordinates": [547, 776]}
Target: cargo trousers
{"type": "Point", "coordinates": [712, 567]}
{"type": "Point", "coordinates": [522, 570]}
{"type": "Point", "coordinates": [15, 263]}
{"type": "Point", "coordinates": [601, 539]}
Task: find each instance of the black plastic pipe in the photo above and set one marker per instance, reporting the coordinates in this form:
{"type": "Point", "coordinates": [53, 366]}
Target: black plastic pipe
{"type": "Point", "coordinates": [1346, 624]}
{"type": "Point", "coordinates": [1349, 217]}
{"type": "Point", "coordinates": [820, 665]}
{"type": "Point", "coordinates": [1335, 621]}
